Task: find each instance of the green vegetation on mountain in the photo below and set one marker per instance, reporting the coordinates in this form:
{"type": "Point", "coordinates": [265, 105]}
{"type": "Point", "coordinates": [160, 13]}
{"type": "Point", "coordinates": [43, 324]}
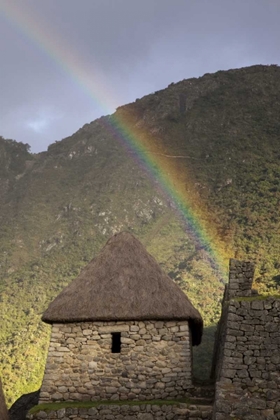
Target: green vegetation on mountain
{"type": "Point", "coordinates": [219, 133]}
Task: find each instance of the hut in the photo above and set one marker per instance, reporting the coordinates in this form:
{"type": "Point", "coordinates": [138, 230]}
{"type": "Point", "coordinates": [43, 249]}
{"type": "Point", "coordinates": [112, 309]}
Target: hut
{"type": "Point", "coordinates": [121, 330]}
{"type": "Point", "coordinates": [3, 408]}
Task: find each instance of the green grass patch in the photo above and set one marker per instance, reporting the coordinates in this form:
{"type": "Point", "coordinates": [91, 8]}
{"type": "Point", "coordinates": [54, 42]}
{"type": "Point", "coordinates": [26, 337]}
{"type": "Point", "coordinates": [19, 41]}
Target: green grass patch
{"type": "Point", "coordinates": [253, 298]}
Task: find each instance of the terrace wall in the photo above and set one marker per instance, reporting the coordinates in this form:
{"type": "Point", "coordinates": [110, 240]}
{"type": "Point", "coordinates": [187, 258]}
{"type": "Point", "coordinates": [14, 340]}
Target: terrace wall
{"type": "Point", "coordinates": [247, 367]}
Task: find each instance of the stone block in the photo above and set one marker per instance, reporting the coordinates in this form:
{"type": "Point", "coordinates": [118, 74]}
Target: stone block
{"type": "Point", "coordinates": [134, 328]}
{"type": "Point", "coordinates": [92, 365]}
{"type": "Point", "coordinates": [257, 304]}
{"type": "Point", "coordinates": [125, 340]}
{"type": "Point", "coordinates": [87, 332]}
{"type": "Point", "coordinates": [229, 373]}
{"type": "Point", "coordinates": [156, 337]}
{"type": "Point", "coordinates": [145, 416]}
{"type": "Point", "coordinates": [113, 328]}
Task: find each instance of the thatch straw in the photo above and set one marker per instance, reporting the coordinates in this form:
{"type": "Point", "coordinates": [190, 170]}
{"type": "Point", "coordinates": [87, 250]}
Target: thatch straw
{"type": "Point", "coordinates": [124, 282]}
{"type": "Point", "coordinates": [3, 408]}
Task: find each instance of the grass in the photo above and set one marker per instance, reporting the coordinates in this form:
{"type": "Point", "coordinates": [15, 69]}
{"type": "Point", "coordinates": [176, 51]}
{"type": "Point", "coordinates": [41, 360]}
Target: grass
{"type": "Point", "coordinates": [253, 298]}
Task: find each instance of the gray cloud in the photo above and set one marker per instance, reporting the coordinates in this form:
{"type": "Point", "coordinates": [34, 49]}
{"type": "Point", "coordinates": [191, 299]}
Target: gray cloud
{"type": "Point", "coordinates": [135, 47]}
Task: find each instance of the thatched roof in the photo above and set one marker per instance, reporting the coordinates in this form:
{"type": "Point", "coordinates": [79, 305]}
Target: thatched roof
{"type": "Point", "coordinates": [3, 408]}
{"type": "Point", "coordinates": [124, 282]}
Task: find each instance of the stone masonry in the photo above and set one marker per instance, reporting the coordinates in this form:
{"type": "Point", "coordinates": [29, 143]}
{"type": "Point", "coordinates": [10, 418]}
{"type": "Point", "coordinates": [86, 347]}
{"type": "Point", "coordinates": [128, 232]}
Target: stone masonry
{"type": "Point", "coordinates": [154, 362]}
{"type": "Point", "coordinates": [179, 411]}
{"type": "Point", "coordinates": [248, 363]}
{"type": "Point", "coordinates": [241, 275]}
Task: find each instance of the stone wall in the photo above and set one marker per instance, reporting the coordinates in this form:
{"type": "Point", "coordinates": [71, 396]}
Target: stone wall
{"type": "Point", "coordinates": [241, 274]}
{"type": "Point", "coordinates": [128, 412]}
{"type": "Point", "coordinates": [154, 362]}
{"type": "Point", "coordinates": [248, 367]}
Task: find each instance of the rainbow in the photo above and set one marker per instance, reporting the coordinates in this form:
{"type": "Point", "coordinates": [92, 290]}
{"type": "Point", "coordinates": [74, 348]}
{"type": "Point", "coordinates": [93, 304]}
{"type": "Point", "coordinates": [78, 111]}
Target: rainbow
{"type": "Point", "coordinates": [161, 168]}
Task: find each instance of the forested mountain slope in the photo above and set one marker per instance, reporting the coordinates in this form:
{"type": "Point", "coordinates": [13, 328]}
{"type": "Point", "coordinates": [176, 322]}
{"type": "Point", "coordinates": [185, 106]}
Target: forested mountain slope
{"type": "Point", "coordinates": [219, 134]}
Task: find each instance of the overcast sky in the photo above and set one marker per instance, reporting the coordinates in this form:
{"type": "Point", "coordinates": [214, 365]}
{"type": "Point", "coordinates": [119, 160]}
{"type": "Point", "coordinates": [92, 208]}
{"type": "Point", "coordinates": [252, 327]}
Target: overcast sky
{"type": "Point", "coordinates": [65, 63]}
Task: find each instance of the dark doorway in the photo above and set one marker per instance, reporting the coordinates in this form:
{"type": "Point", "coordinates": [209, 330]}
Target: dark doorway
{"type": "Point", "coordinates": [116, 342]}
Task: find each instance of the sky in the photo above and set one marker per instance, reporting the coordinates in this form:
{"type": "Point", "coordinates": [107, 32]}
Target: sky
{"type": "Point", "coordinates": [65, 63]}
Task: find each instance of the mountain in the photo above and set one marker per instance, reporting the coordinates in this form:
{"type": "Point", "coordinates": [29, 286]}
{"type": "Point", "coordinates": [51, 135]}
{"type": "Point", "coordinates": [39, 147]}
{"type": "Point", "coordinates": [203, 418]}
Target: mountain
{"type": "Point", "coordinates": [199, 159]}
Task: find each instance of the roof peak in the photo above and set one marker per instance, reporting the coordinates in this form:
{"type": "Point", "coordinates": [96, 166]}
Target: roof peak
{"type": "Point", "coordinates": [123, 282]}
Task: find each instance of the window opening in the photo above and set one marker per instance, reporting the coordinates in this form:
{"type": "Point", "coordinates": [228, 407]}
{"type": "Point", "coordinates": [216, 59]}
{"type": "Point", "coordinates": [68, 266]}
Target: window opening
{"type": "Point", "coordinates": [116, 342]}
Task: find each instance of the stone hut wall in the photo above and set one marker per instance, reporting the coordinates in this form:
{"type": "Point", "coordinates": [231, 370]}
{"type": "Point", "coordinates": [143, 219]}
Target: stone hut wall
{"type": "Point", "coordinates": [248, 368]}
{"type": "Point", "coordinates": [154, 363]}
